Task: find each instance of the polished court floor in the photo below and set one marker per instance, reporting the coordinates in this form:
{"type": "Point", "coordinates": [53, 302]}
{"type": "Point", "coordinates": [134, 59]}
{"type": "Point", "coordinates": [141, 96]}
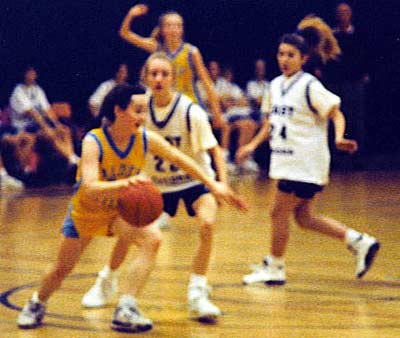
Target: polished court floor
{"type": "Point", "coordinates": [321, 298]}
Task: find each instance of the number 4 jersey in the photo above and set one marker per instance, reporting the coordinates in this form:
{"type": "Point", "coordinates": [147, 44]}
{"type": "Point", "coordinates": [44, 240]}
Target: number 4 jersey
{"type": "Point", "coordinates": [299, 108]}
{"type": "Point", "coordinates": [185, 125]}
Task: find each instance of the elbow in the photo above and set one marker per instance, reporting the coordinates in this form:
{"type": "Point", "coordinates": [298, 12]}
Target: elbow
{"type": "Point", "coordinates": [122, 32]}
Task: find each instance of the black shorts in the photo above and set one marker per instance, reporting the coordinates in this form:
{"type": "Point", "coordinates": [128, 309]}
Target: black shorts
{"type": "Point", "coordinates": [300, 189]}
{"type": "Point", "coordinates": [189, 196]}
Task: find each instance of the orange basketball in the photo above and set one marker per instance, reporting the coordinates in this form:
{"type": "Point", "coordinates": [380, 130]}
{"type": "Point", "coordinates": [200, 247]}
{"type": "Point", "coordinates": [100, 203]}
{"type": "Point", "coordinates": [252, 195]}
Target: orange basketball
{"type": "Point", "coordinates": [140, 204]}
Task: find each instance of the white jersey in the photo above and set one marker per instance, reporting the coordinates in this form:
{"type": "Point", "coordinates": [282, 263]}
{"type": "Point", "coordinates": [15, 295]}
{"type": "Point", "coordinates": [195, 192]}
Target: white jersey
{"type": "Point", "coordinates": [24, 98]}
{"type": "Point", "coordinates": [97, 98]}
{"type": "Point", "coordinates": [299, 108]}
{"type": "Point", "coordinates": [185, 125]}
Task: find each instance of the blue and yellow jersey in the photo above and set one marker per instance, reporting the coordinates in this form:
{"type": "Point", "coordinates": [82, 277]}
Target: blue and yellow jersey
{"type": "Point", "coordinates": [185, 72]}
{"type": "Point", "coordinates": [89, 214]}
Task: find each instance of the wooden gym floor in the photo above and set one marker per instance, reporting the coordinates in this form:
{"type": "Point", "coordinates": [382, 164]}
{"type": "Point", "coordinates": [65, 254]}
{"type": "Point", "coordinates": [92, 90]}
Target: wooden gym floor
{"type": "Point", "coordinates": [321, 298]}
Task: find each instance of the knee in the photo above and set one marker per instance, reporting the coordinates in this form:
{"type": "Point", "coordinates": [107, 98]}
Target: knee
{"type": "Point", "coordinates": [153, 240]}
{"type": "Point", "coordinates": [275, 212]}
{"type": "Point", "coordinates": [206, 229]}
{"type": "Point", "coordinates": [302, 218]}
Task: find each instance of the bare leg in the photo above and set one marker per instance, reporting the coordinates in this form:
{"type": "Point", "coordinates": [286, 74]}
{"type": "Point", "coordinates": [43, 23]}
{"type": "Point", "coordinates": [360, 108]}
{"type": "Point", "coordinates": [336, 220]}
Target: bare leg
{"type": "Point", "coordinates": [206, 210]}
{"type": "Point", "coordinates": [148, 239]}
{"type": "Point", "coordinates": [119, 252]}
{"type": "Point", "coordinates": [283, 206]}
{"type": "Point", "coordinates": [306, 218]}
{"type": "Point", "coordinates": [68, 255]}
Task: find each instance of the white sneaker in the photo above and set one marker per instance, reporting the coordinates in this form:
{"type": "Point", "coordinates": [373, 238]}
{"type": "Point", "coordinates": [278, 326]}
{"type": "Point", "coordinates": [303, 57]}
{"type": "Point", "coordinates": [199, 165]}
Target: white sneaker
{"type": "Point", "coordinates": [365, 248]}
{"type": "Point", "coordinates": [163, 221]}
{"type": "Point", "coordinates": [200, 307]}
{"type": "Point", "coordinates": [128, 318]}
{"type": "Point", "coordinates": [268, 273]}
{"type": "Point", "coordinates": [32, 314]}
{"type": "Point", "coordinates": [9, 182]}
{"type": "Point", "coordinates": [103, 290]}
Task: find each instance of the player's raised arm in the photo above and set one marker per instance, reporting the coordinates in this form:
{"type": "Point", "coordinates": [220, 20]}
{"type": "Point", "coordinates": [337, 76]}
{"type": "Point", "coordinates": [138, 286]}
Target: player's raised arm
{"type": "Point", "coordinates": [160, 147]}
{"type": "Point", "coordinates": [205, 78]}
{"type": "Point", "coordinates": [148, 44]}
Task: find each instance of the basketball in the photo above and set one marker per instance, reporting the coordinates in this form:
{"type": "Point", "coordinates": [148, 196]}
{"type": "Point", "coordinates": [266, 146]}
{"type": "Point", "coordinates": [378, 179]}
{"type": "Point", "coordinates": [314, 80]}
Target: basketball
{"type": "Point", "coordinates": [140, 204]}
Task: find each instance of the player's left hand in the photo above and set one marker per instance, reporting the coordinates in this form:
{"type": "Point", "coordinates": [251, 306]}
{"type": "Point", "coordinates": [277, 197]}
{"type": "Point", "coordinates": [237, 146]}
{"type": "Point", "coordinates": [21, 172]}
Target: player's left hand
{"type": "Point", "coordinates": [223, 192]}
{"type": "Point", "coordinates": [347, 145]}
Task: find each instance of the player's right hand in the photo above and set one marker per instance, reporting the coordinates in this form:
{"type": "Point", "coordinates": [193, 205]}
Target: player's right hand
{"type": "Point", "coordinates": [138, 179]}
{"type": "Point", "coordinates": [138, 10]}
{"type": "Point", "coordinates": [222, 192]}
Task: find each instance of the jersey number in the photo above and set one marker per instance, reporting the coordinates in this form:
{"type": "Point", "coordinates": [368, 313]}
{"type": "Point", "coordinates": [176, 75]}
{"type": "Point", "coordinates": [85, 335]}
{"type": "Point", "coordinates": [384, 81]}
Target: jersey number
{"type": "Point", "coordinates": [282, 132]}
{"type": "Point", "coordinates": [160, 165]}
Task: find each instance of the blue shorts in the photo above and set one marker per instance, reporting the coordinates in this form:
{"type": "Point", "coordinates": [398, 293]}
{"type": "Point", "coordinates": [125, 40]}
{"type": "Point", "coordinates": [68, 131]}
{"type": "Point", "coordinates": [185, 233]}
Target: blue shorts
{"type": "Point", "coordinates": [300, 189]}
{"type": "Point", "coordinates": [68, 227]}
{"type": "Point", "coordinates": [88, 225]}
{"type": "Point", "coordinates": [189, 196]}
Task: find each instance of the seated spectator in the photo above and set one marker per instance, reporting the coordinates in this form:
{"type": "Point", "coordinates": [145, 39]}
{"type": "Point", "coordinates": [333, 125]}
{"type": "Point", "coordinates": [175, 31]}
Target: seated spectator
{"type": "Point", "coordinates": [42, 158]}
{"type": "Point", "coordinates": [120, 77]}
{"type": "Point", "coordinates": [218, 83]}
{"type": "Point", "coordinates": [256, 88]}
{"type": "Point", "coordinates": [28, 99]}
{"type": "Point", "coordinates": [237, 113]}
{"type": "Point", "coordinates": [348, 77]}
{"type": "Point", "coordinates": [7, 181]}
{"type": "Point", "coordinates": [216, 78]}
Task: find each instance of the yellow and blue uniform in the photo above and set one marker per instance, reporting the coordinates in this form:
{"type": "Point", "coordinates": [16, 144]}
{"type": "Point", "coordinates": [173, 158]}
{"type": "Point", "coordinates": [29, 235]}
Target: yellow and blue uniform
{"type": "Point", "coordinates": [185, 81]}
{"type": "Point", "coordinates": [88, 216]}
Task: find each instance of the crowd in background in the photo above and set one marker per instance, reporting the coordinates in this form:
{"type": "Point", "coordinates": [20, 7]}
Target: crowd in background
{"type": "Point", "coordinates": [40, 143]}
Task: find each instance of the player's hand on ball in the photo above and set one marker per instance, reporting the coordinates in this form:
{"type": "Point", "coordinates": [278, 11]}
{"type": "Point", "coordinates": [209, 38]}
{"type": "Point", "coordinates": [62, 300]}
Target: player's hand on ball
{"type": "Point", "coordinates": [347, 145]}
{"type": "Point", "coordinates": [223, 192]}
{"type": "Point", "coordinates": [132, 180]}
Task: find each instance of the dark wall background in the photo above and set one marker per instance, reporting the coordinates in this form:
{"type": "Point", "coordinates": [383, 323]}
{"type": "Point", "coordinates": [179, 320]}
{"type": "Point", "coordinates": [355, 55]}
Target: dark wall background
{"type": "Point", "coordinates": [75, 45]}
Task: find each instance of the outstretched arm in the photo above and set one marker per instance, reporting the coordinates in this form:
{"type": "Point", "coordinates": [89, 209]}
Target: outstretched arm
{"type": "Point", "coordinates": [158, 146]}
{"type": "Point", "coordinates": [220, 164]}
{"type": "Point", "coordinates": [148, 44]}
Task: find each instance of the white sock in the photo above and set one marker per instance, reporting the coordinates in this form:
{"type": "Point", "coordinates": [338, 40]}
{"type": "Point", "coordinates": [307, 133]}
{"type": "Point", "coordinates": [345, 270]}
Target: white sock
{"type": "Point", "coordinates": [107, 272]}
{"type": "Point", "coordinates": [3, 172]}
{"type": "Point", "coordinates": [197, 284]}
{"type": "Point", "coordinates": [275, 261]}
{"type": "Point", "coordinates": [127, 300]}
{"type": "Point", "coordinates": [35, 298]}
{"type": "Point", "coordinates": [197, 280]}
{"type": "Point", "coordinates": [352, 236]}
